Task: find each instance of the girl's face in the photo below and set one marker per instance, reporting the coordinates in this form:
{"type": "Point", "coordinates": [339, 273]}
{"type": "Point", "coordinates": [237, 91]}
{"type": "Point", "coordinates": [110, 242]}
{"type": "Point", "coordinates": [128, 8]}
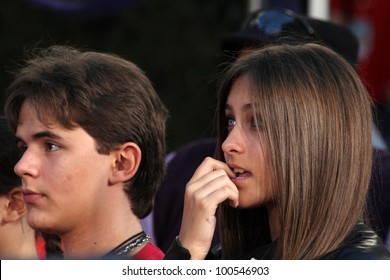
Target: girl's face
{"type": "Point", "coordinates": [243, 150]}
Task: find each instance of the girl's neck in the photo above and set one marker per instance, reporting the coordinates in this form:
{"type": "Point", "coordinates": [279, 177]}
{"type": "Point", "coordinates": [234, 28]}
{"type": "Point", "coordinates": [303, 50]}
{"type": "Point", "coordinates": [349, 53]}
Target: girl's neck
{"type": "Point", "coordinates": [273, 220]}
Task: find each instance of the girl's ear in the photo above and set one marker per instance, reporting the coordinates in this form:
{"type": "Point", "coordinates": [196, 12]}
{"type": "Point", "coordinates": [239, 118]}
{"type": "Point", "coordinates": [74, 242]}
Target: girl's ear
{"type": "Point", "coordinates": [14, 206]}
{"type": "Point", "coordinates": [127, 161]}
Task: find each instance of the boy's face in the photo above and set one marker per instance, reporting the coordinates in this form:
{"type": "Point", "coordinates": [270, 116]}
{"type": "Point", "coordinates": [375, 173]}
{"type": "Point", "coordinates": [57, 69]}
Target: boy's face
{"type": "Point", "coordinates": [65, 179]}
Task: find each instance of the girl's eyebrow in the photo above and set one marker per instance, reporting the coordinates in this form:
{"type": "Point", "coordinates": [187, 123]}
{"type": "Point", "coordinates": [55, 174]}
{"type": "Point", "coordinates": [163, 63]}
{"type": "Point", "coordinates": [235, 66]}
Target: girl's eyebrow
{"type": "Point", "coordinates": [246, 107]}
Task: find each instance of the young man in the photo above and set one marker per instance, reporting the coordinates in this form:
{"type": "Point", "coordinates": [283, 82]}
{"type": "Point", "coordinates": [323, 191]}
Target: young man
{"type": "Point", "coordinates": [92, 130]}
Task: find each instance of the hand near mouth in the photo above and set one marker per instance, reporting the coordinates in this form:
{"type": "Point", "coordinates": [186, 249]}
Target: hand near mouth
{"type": "Point", "coordinates": [210, 185]}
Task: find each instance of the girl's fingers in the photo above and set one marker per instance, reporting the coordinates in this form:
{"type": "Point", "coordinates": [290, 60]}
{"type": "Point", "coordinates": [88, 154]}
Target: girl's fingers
{"type": "Point", "coordinates": [210, 186]}
{"type": "Point", "coordinates": [205, 186]}
{"type": "Point", "coordinates": [209, 165]}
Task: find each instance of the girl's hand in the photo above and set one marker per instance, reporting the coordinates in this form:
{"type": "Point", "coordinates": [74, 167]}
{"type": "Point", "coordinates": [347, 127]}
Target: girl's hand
{"type": "Point", "coordinates": [209, 186]}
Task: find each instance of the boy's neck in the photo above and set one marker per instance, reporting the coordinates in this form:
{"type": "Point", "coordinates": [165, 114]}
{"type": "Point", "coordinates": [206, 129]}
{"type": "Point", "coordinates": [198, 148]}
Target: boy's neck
{"type": "Point", "coordinates": [96, 240]}
{"type": "Point", "coordinates": [96, 245]}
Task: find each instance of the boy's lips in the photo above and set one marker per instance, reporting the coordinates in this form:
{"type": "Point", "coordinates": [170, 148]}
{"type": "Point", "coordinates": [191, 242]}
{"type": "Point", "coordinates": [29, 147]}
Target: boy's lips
{"type": "Point", "coordinates": [31, 196]}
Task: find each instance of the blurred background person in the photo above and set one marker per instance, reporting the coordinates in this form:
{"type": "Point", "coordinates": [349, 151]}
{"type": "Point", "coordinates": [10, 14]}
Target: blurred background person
{"type": "Point", "coordinates": [17, 238]}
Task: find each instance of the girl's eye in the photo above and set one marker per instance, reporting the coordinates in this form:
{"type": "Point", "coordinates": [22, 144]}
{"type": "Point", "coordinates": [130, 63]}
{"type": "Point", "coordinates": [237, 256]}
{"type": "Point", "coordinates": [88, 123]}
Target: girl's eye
{"type": "Point", "coordinates": [257, 122]}
{"type": "Point", "coordinates": [51, 147]}
{"type": "Point", "coordinates": [231, 122]}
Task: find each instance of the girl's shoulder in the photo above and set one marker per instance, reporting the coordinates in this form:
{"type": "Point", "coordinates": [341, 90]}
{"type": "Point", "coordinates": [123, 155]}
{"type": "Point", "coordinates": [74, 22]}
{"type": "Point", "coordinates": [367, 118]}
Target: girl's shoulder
{"type": "Point", "coordinates": [362, 244]}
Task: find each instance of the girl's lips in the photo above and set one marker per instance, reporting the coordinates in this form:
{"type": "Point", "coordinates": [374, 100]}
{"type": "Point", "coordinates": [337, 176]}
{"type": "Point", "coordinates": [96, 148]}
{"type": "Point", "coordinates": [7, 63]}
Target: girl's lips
{"type": "Point", "coordinates": [240, 178]}
{"type": "Point", "coordinates": [238, 171]}
{"type": "Point", "coordinates": [235, 168]}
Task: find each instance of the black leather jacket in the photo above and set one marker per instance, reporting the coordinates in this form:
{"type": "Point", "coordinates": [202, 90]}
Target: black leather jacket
{"type": "Point", "coordinates": [361, 244]}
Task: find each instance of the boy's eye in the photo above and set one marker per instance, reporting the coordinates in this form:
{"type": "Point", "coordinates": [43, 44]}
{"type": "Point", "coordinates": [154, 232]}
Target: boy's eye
{"type": "Point", "coordinates": [51, 147]}
{"type": "Point", "coordinates": [22, 146]}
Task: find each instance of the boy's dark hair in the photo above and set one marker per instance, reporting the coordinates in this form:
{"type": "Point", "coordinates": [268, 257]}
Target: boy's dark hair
{"type": "Point", "coordinates": [109, 97]}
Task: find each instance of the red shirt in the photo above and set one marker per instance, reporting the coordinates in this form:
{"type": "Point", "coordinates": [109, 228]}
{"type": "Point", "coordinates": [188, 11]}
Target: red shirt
{"type": "Point", "coordinates": [40, 245]}
{"type": "Point", "coordinates": [149, 252]}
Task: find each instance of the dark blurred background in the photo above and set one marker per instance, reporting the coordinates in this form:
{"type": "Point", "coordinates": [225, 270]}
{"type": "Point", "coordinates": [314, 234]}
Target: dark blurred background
{"type": "Point", "coordinates": [176, 42]}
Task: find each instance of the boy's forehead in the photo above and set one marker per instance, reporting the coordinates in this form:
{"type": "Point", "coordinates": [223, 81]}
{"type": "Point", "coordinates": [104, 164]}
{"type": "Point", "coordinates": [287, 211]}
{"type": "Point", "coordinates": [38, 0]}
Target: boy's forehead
{"type": "Point", "coordinates": [34, 121]}
{"type": "Point", "coordinates": [46, 116]}
{"type": "Point", "coordinates": [30, 129]}
{"type": "Point", "coordinates": [28, 113]}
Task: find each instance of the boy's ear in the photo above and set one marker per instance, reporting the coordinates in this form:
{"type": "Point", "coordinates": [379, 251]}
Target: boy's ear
{"type": "Point", "coordinates": [15, 208]}
{"type": "Point", "coordinates": [127, 160]}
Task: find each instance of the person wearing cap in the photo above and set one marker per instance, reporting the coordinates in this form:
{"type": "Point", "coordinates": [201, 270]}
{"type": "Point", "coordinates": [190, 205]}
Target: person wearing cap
{"type": "Point", "coordinates": [92, 131]}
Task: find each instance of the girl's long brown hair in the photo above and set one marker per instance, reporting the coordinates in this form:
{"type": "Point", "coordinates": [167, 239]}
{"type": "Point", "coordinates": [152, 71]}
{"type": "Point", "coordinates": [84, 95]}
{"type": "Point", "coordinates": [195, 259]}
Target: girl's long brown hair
{"type": "Point", "coordinates": [316, 117]}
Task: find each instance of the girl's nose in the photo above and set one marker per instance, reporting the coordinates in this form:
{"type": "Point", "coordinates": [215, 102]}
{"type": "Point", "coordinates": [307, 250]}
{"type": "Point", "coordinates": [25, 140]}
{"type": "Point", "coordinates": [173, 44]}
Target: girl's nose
{"type": "Point", "coordinates": [234, 141]}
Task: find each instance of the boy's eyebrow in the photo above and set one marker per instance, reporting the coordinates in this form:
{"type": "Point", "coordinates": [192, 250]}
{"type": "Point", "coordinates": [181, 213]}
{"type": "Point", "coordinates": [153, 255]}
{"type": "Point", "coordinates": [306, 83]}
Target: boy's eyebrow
{"type": "Point", "coordinates": [42, 134]}
{"type": "Point", "coordinates": [47, 134]}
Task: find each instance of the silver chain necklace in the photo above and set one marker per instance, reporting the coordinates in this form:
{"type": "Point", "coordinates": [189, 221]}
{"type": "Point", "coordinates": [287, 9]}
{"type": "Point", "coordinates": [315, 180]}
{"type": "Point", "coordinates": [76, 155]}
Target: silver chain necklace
{"type": "Point", "coordinates": [128, 246]}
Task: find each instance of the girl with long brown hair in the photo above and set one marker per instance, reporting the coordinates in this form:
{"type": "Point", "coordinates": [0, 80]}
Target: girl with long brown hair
{"type": "Point", "coordinates": [293, 165]}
